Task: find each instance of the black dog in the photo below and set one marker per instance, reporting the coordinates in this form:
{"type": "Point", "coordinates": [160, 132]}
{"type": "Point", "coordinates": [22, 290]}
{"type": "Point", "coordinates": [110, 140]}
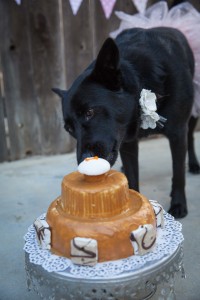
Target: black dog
{"type": "Point", "coordinates": [102, 111]}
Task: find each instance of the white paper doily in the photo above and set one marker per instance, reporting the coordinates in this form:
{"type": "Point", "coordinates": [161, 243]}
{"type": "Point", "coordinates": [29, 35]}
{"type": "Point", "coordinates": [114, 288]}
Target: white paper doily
{"type": "Point", "coordinates": [168, 240]}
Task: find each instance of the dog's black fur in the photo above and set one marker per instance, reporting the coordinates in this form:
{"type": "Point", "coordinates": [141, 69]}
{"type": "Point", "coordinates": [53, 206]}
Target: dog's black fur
{"type": "Point", "coordinates": [101, 109]}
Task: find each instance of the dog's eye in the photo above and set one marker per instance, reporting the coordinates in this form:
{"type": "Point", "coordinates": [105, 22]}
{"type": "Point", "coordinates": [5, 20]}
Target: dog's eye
{"type": "Point", "coordinates": [89, 114]}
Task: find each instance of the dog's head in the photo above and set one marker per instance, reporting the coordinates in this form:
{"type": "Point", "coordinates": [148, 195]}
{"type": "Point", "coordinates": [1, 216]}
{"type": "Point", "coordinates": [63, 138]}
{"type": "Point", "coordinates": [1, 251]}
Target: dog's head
{"type": "Point", "coordinates": [96, 109]}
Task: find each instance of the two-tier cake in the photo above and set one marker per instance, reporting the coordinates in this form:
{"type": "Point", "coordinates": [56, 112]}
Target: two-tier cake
{"type": "Point", "coordinates": [98, 218]}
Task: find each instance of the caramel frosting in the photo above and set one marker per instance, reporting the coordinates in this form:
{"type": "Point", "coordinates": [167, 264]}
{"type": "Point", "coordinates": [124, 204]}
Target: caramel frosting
{"type": "Point", "coordinates": [90, 197]}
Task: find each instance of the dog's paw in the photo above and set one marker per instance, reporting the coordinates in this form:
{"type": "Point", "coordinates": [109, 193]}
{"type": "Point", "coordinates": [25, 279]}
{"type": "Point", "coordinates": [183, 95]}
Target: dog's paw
{"type": "Point", "coordinates": [178, 211]}
{"type": "Point", "coordinates": [194, 168]}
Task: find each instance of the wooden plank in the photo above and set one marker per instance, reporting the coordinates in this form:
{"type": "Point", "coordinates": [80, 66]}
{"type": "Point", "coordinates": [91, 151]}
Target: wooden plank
{"type": "Point", "coordinates": [48, 71]}
{"type": "Point", "coordinates": [32, 63]}
{"type": "Point", "coordinates": [78, 36]}
{"type": "Point", "coordinates": [23, 124]}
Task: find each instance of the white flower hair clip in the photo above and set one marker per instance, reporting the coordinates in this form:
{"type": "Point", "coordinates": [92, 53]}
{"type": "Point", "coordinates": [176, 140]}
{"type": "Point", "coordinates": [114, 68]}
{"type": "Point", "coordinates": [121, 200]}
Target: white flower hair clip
{"type": "Point", "coordinates": [149, 116]}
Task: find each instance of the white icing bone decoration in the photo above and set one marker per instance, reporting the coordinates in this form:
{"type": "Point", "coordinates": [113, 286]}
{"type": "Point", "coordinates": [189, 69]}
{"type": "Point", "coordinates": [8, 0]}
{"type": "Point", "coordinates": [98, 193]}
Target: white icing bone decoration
{"type": "Point", "coordinates": [43, 234]}
{"type": "Point", "coordinates": [94, 166]}
{"type": "Point", "coordinates": [158, 210]}
{"type": "Point", "coordinates": [84, 251]}
{"type": "Point", "coordinates": [143, 239]}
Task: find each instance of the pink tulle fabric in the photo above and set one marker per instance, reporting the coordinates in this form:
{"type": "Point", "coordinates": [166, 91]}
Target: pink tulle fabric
{"type": "Point", "coordinates": [183, 17]}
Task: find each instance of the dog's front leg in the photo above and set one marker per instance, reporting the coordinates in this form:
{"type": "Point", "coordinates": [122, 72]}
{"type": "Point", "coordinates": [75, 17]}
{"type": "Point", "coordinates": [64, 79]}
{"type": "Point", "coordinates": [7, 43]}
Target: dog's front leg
{"type": "Point", "coordinates": [178, 145]}
{"type": "Point", "coordinates": [129, 156]}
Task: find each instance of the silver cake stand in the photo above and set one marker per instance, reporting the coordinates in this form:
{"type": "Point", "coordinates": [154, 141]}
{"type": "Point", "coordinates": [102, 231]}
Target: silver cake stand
{"type": "Point", "coordinates": [141, 283]}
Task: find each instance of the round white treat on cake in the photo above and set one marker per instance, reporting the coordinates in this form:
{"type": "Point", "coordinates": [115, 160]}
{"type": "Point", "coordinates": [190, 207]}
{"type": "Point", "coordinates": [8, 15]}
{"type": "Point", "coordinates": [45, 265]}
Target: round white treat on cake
{"type": "Point", "coordinates": [94, 166]}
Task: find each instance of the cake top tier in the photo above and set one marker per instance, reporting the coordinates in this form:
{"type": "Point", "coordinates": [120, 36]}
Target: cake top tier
{"type": "Point", "coordinates": [94, 166]}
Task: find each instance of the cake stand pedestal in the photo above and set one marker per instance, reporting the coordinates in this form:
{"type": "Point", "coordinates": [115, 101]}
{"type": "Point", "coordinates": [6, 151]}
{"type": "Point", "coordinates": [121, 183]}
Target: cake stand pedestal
{"type": "Point", "coordinates": [141, 284]}
{"type": "Point", "coordinates": [132, 282]}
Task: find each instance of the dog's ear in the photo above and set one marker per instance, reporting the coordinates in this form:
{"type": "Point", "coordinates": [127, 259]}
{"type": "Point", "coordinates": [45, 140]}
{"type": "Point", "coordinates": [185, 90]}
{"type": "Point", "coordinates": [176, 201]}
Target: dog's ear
{"type": "Point", "coordinates": [108, 57]}
{"type": "Point", "coordinates": [60, 93]}
{"type": "Point", "coordinates": [106, 70]}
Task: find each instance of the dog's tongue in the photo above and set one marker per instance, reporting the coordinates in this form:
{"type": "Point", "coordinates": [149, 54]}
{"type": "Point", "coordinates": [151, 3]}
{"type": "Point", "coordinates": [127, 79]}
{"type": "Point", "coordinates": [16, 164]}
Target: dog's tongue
{"type": "Point", "coordinates": [94, 166]}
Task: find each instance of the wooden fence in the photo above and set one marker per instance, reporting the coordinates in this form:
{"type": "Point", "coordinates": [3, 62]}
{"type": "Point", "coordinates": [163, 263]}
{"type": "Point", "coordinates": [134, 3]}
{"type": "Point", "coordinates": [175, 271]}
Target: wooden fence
{"type": "Point", "coordinates": [43, 46]}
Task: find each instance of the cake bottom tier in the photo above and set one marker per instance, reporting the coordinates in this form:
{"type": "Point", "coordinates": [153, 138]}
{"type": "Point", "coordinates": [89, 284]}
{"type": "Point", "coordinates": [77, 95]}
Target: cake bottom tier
{"type": "Point", "coordinates": [112, 234]}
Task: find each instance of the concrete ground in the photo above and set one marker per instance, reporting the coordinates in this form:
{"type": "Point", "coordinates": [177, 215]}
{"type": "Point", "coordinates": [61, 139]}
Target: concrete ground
{"type": "Point", "coordinates": [27, 187]}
